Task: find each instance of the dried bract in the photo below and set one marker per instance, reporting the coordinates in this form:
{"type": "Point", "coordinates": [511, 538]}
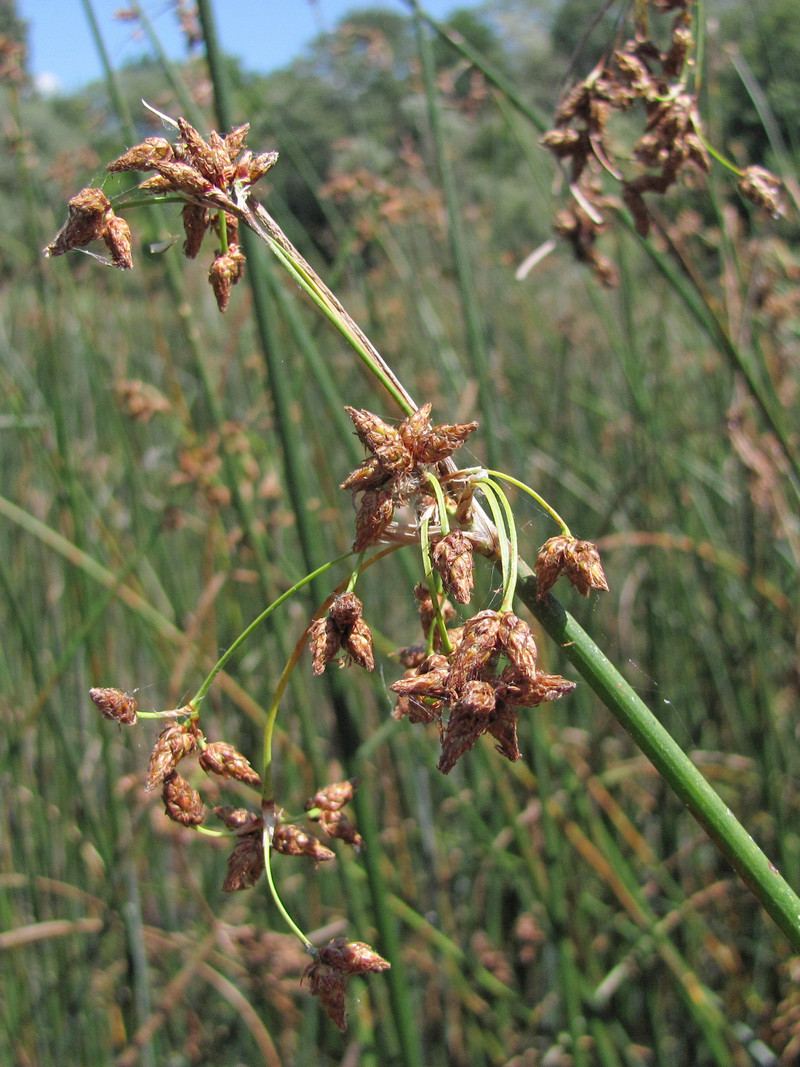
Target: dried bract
{"type": "Point", "coordinates": [115, 705]}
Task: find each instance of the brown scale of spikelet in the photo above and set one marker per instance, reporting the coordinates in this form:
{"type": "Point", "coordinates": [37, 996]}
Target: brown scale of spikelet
{"type": "Point", "coordinates": [452, 558]}
{"type": "Point", "coordinates": [245, 864]}
{"type": "Point", "coordinates": [373, 518]}
{"type": "Point", "coordinates": [172, 744]}
{"type": "Point", "coordinates": [115, 705]}
{"type": "Point", "coordinates": [221, 758]}
{"type": "Point", "coordinates": [196, 221]}
{"type": "Point", "coordinates": [290, 840]}
{"type": "Point", "coordinates": [91, 218]}
{"type": "Point", "coordinates": [225, 272]}
{"type": "Point", "coordinates": [478, 646]}
{"type": "Point", "coordinates": [335, 962]}
{"type": "Point", "coordinates": [182, 803]}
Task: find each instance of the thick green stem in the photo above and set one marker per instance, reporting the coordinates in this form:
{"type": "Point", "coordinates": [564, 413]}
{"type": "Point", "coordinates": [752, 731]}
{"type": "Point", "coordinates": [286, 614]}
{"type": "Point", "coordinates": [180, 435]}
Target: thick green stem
{"type": "Point", "coordinates": [773, 892]}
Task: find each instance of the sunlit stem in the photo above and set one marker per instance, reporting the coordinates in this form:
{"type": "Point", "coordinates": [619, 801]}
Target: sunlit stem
{"type": "Point", "coordinates": [223, 231]}
{"type": "Point", "coordinates": [356, 571]}
{"type": "Point", "coordinates": [503, 520]}
{"type": "Point", "coordinates": [539, 500]}
{"type": "Point", "coordinates": [267, 845]}
{"type": "Point", "coordinates": [254, 625]}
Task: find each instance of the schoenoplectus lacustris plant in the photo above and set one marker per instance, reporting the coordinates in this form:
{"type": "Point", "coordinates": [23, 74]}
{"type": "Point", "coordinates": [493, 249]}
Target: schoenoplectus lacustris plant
{"type": "Point", "coordinates": [475, 669]}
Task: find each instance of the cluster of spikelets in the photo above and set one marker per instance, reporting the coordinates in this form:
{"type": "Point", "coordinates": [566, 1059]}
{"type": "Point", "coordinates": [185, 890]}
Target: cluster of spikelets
{"type": "Point", "coordinates": [334, 962]}
{"type": "Point", "coordinates": [489, 667]}
{"type": "Point", "coordinates": [640, 73]}
{"type": "Point", "coordinates": [206, 175]}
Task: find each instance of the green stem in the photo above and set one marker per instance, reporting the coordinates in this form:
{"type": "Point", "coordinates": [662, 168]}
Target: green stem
{"type": "Point", "coordinates": [503, 518]}
{"type": "Point", "coordinates": [254, 625]}
{"type": "Point", "coordinates": [773, 892]}
{"type": "Point", "coordinates": [539, 500]}
{"type": "Point", "coordinates": [298, 933]}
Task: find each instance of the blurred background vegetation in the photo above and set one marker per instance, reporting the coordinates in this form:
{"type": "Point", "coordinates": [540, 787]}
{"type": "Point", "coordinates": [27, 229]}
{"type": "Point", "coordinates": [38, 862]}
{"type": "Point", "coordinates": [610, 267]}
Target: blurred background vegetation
{"type": "Point", "coordinates": [167, 472]}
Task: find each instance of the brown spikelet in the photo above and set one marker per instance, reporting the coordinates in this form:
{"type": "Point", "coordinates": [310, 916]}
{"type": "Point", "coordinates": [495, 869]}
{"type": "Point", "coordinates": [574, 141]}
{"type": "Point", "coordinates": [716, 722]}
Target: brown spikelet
{"type": "Point", "coordinates": [332, 797]}
{"type": "Point", "coordinates": [182, 803]}
{"type": "Point", "coordinates": [234, 141]}
{"type": "Point", "coordinates": [371, 474]}
{"type": "Point", "coordinates": [290, 840]}
{"type": "Point", "coordinates": [223, 759]}
{"type": "Point", "coordinates": [452, 558]}
{"type": "Point", "coordinates": [374, 515]}
{"type": "Point", "coordinates": [211, 160]}
{"type": "Point", "coordinates": [477, 647]}
{"type": "Point", "coordinates": [503, 728]}
{"type": "Point", "coordinates": [416, 424]}
{"type": "Point", "coordinates": [88, 212]}
{"type": "Point", "coordinates": [258, 166]}
{"type": "Point", "coordinates": [325, 640]}
{"type": "Point", "coordinates": [245, 864]}
{"type": "Point", "coordinates": [172, 744]}
{"type": "Point", "coordinates": [761, 187]}
{"type": "Point", "coordinates": [329, 985]}
{"type": "Point", "coordinates": [181, 177]}
{"type": "Point", "coordinates": [358, 645]}
{"type": "Point", "coordinates": [115, 705]}
{"type": "Point", "coordinates": [240, 820]}
{"type": "Point", "coordinates": [225, 271]}
{"type": "Point", "coordinates": [516, 641]}
{"type": "Point", "coordinates": [440, 442]}
{"type": "Point", "coordinates": [336, 824]}
{"type": "Point", "coordinates": [195, 224]}
{"type": "Point", "coordinates": [142, 156]}
{"type": "Point", "coordinates": [346, 609]}
{"type": "Point", "coordinates": [352, 957]}
{"type": "Point", "coordinates": [117, 237]}
{"type": "Point", "coordinates": [583, 567]}
{"type": "Point", "coordinates": [383, 440]}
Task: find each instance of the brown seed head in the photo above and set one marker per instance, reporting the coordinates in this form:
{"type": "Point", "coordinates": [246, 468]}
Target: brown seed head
{"type": "Point", "coordinates": [329, 985]}
{"type": "Point", "coordinates": [332, 797]}
{"type": "Point", "coordinates": [516, 640]}
{"type": "Point", "coordinates": [221, 758]}
{"type": "Point", "coordinates": [172, 744]}
{"type": "Point", "coordinates": [142, 156]}
{"type": "Point", "coordinates": [88, 215]}
{"type": "Point", "coordinates": [478, 646]}
{"type": "Point", "coordinates": [182, 803]}
{"type": "Point", "coordinates": [115, 705]}
{"type": "Point", "coordinates": [290, 840]}
{"type": "Point", "coordinates": [245, 864]}
{"type": "Point", "coordinates": [240, 820]}
{"type": "Point", "coordinates": [440, 442]}
{"type": "Point", "coordinates": [583, 567]}
{"type": "Point", "coordinates": [258, 166]}
{"type": "Point", "coordinates": [117, 237]}
{"type": "Point", "coordinates": [358, 645]}
{"type": "Point", "coordinates": [371, 474]}
{"type": "Point", "coordinates": [352, 957]}
{"type": "Point", "coordinates": [761, 187]}
{"type": "Point", "coordinates": [195, 224]}
{"type": "Point", "coordinates": [226, 270]}
{"type": "Point", "coordinates": [336, 824]}
{"type": "Point", "coordinates": [383, 440]}
{"type": "Point", "coordinates": [345, 610]}
{"type": "Point", "coordinates": [373, 517]}
{"type": "Point", "coordinates": [452, 558]}
{"type": "Point", "coordinates": [234, 141]}
{"type": "Point", "coordinates": [182, 177]}
{"type": "Point", "coordinates": [325, 640]}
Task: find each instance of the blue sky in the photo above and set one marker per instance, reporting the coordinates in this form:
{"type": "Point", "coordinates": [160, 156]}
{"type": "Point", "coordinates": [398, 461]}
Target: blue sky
{"type": "Point", "coordinates": [264, 34]}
